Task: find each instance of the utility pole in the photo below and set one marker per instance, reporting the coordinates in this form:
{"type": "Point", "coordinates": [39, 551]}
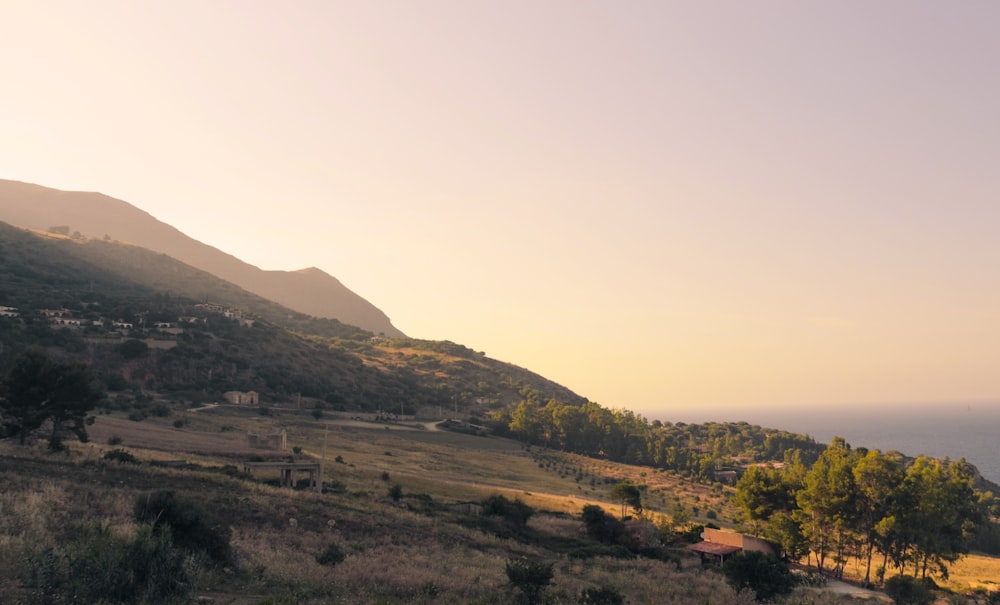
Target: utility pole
{"type": "Point", "coordinates": [322, 461]}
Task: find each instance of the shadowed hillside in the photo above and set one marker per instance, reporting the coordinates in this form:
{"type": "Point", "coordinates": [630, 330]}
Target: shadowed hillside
{"type": "Point", "coordinates": [95, 215]}
{"type": "Point", "coordinates": [205, 336]}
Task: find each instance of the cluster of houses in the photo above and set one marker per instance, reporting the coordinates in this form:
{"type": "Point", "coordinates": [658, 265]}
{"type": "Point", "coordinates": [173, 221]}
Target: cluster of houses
{"type": "Point", "coordinates": [71, 319]}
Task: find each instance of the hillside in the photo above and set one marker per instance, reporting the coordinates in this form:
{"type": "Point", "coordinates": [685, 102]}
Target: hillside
{"type": "Point", "coordinates": [93, 215]}
{"type": "Point", "coordinates": [407, 512]}
{"type": "Point", "coordinates": [228, 339]}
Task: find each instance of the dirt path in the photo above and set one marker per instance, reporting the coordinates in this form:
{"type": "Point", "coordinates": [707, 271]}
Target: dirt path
{"type": "Point", "coordinates": [839, 587]}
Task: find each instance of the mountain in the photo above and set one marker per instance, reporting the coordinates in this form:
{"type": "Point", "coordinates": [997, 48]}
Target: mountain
{"type": "Point", "coordinates": [199, 336]}
{"type": "Point", "coordinates": [310, 291]}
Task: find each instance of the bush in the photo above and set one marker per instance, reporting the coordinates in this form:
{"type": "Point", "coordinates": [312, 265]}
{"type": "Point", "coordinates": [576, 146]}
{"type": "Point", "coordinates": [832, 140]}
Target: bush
{"type": "Point", "coordinates": [905, 590]}
{"type": "Point", "coordinates": [98, 567]}
{"type": "Point", "coordinates": [601, 596]}
{"type": "Point", "coordinates": [602, 526]}
{"type": "Point", "coordinates": [121, 456]}
{"type": "Point", "coordinates": [765, 574]}
{"type": "Point", "coordinates": [530, 577]}
{"type": "Point", "coordinates": [192, 526]}
{"type": "Point", "coordinates": [514, 511]}
{"type": "Point", "coordinates": [331, 555]}
{"type": "Point", "coordinates": [396, 492]}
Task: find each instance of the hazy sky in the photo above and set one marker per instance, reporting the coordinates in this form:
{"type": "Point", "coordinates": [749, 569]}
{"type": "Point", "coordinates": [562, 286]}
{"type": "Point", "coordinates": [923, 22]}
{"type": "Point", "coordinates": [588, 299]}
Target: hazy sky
{"type": "Point", "coordinates": [657, 204]}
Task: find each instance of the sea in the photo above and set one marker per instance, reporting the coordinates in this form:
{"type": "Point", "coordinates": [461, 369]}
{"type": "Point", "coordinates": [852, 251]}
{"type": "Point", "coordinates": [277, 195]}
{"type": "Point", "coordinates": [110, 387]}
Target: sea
{"type": "Point", "coordinates": [942, 430]}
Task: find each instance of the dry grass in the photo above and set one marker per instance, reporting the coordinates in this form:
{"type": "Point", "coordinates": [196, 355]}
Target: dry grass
{"type": "Point", "coordinates": [422, 554]}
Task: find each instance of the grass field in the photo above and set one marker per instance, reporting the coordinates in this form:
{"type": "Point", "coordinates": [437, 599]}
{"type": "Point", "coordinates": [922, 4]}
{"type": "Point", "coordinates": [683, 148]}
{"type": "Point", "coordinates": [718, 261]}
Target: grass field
{"type": "Point", "coordinates": [424, 548]}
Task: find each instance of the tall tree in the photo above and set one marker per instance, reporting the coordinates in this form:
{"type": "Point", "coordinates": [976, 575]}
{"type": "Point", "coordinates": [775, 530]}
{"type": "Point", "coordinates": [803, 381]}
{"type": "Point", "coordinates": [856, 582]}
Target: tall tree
{"type": "Point", "coordinates": [39, 389]}
{"type": "Point", "coordinates": [827, 502]}
{"type": "Point", "coordinates": [947, 511]}
{"type": "Point", "coordinates": [876, 477]}
{"type": "Point", "coordinates": [627, 494]}
{"type": "Point", "coordinates": [761, 493]}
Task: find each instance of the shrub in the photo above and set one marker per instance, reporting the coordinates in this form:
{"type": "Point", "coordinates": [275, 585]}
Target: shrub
{"type": "Point", "coordinates": [192, 526]}
{"type": "Point", "coordinates": [114, 440]}
{"type": "Point", "coordinates": [514, 511]}
{"type": "Point", "coordinates": [905, 590]}
{"type": "Point", "coordinates": [530, 577]}
{"type": "Point", "coordinates": [601, 596]}
{"type": "Point", "coordinates": [396, 492]}
{"type": "Point", "coordinates": [765, 574]}
{"type": "Point", "coordinates": [121, 456]}
{"type": "Point", "coordinates": [97, 567]}
{"type": "Point", "coordinates": [331, 555]}
{"type": "Point", "coordinates": [602, 526]}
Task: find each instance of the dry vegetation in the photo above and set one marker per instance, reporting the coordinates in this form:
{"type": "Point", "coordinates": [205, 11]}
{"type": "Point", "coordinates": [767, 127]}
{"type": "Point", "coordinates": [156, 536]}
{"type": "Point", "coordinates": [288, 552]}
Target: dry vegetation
{"type": "Point", "coordinates": [422, 549]}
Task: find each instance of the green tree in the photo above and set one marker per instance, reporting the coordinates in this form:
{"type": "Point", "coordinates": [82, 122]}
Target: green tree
{"type": "Point", "coordinates": [760, 493]}
{"type": "Point", "coordinates": [876, 476]}
{"type": "Point", "coordinates": [602, 526]}
{"type": "Point", "coordinates": [765, 574]}
{"type": "Point", "coordinates": [786, 532]}
{"type": "Point", "coordinates": [39, 389]}
{"type": "Point", "coordinates": [530, 577]}
{"type": "Point", "coordinates": [945, 510]}
{"type": "Point", "coordinates": [827, 502]}
{"type": "Point", "coordinates": [904, 590]}
{"type": "Point", "coordinates": [628, 495]}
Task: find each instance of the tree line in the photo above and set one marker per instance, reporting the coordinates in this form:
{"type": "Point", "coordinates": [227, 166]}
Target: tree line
{"type": "Point", "coordinates": [872, 506]}
{"type": "Point", "coordinates": [696, 450]}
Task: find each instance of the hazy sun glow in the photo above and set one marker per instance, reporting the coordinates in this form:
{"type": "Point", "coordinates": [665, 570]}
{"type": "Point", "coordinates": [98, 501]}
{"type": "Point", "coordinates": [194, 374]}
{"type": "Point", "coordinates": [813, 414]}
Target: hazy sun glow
{"type": "Point", "coordinates": [657, 204]}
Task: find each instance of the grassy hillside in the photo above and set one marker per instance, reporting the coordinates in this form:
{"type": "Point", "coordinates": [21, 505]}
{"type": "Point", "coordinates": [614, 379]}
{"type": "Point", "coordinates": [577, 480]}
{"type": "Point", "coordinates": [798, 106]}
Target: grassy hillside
{"type": "Point", "coordinates": [429, 546]}
{"type": "Point", "coordinates": [242, 342]}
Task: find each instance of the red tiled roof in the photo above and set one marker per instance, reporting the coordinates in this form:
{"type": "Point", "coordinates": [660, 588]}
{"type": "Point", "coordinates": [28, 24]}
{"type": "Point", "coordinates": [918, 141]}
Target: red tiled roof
{"type": "Point", "coordinates": [714, 548]}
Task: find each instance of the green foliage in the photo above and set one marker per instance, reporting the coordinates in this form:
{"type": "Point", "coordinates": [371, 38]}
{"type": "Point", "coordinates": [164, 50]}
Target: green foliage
{"type": "Point", "coordinates": [602, 526]}
{"type": "Point", "coordinates": [906, 590]}
{"type": "Point", "coordinates": [98, 567]}
{"type": "Point", "coordinates": [331, 555]}
{"type": "Point", "coordinates": [515, 511]}
{"type": "Point", "coordinates": [925, 516]}
{"type": "Point", "coordinates": [39, 390]}
{"type": "Point", "coordinates": [628, 495]}
{"type": "Point", "coordinates": [529, 577]}
{"type": "Point", "coordinates": [765, 574]}
{"type": "Point", "coordinates": [191, 525]}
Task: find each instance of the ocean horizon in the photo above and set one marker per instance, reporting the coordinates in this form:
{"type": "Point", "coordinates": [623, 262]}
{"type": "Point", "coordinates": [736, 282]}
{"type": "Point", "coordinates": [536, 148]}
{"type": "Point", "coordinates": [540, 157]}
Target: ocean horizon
{"type": "Point", "coordinates": [942, 430]}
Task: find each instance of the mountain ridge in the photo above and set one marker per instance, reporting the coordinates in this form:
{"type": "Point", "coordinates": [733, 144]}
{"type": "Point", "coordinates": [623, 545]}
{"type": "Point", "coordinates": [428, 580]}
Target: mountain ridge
{"type": "Point", "coordinates": [310, 290]}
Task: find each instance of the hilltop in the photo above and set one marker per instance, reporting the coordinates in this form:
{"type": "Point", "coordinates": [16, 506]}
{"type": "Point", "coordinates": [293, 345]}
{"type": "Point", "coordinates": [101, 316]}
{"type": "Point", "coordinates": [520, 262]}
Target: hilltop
{"type": "Point", "coordinates": [93, 215]}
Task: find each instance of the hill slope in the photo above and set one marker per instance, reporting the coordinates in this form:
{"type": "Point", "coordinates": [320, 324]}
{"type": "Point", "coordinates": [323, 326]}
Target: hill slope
{"type": "Point", "coordinates": [309, 291]}
{"type": "Point", "coordinates": [240, 341]}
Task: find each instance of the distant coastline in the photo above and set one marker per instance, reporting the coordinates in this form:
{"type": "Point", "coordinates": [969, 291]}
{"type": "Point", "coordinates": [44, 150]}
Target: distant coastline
{"type": "Point", "coordinates": [967, 430]}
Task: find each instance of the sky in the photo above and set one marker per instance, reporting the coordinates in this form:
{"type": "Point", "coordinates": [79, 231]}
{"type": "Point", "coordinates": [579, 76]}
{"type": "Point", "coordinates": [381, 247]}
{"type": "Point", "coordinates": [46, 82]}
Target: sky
{"type": "Point", "coordinates": [665, 206]}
